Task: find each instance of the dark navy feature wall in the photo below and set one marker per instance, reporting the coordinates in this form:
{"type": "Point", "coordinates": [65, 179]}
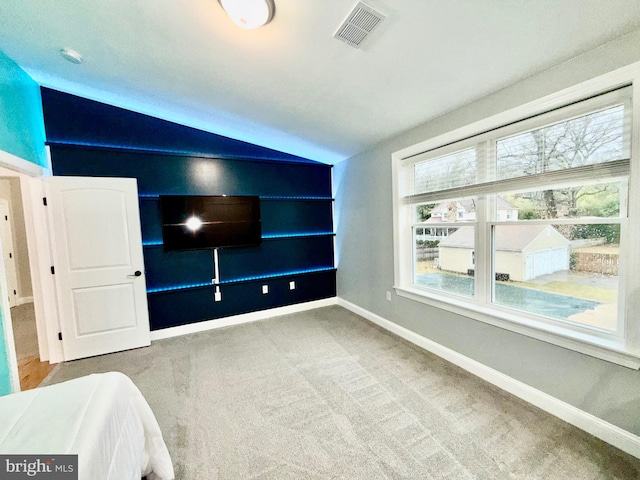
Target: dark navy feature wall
{"type": "Point", "coordinates": [295, 260]}
{"type": "Point", "coordinates": [179, 307]}
{"type": "Point", "coordinates": [281, 217]}
{"type": "Point", "coordinates": [77, 121]}
{"type": "Point", "coordinates": [189, 174]}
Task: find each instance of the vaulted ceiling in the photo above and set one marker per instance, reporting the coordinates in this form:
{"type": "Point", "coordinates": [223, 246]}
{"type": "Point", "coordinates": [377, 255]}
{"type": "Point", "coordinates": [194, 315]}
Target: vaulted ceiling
{"type": "Point", "coordinates": [290, 85]}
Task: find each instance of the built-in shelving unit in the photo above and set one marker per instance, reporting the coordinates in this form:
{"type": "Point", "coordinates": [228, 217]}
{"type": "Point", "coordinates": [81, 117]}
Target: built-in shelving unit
{"type": "Point", "coordinates": [295, 260]}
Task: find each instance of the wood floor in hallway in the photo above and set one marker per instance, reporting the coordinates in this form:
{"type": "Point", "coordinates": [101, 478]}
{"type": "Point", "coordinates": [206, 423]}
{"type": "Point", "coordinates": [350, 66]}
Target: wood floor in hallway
{"type": "Point", "coordinates": [32, 372]}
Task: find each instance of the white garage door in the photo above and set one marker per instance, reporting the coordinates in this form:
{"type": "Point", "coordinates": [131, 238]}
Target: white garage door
{"type": "Point", "coordinates": [560, 258]}
{"type": "Point", "coordinates": [550, 261]}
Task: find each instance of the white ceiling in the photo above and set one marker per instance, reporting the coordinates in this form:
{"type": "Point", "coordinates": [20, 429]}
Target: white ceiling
{"type": "Point", "coordinates": [290, 85]}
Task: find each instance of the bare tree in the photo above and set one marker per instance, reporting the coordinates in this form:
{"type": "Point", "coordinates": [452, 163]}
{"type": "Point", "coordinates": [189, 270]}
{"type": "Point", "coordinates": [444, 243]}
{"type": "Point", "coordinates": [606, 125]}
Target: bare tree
{"type": "Point", "coordinates": [453, 170]}
{"type": "Point", "coordinates": [584, 140]}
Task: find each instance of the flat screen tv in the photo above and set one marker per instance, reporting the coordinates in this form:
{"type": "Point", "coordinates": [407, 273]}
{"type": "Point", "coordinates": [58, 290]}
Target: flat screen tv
{"type": "Point", "coordinates": [207, 222]}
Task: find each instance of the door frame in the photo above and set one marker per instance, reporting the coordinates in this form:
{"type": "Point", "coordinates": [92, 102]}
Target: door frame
{"type": "Point", "coordinates": [16, 284]}
{"type": "Point", "coordinates": [38, 245]}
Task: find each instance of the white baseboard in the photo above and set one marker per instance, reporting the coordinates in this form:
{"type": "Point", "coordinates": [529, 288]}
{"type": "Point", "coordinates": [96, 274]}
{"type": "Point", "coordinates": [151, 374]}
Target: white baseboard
{"type": "Point", "coordinates": [238, 319]}
{"type": "Point", "coordinates": [24, 300]}
{"type": "Point", "coordinates": [616, 436]}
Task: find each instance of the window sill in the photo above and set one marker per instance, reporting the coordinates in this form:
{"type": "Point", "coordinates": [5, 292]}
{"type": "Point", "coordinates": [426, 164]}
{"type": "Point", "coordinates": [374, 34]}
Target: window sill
{"type": "Point", "coordinates": [614, 350]}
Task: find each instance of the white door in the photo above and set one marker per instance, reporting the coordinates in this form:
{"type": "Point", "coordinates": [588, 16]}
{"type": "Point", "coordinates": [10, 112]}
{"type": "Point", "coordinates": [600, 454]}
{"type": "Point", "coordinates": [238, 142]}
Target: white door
{"type": "Point", "coordinates": [6, 236]}
{"type": "Point", "coordinates": [98, 264]}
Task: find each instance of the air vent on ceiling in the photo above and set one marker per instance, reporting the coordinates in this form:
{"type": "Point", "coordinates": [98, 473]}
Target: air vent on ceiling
{"type": "Point", "coordinates": [359, 24]}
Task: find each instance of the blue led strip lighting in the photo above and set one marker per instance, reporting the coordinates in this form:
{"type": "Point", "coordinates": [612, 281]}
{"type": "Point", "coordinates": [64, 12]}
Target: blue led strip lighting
{"type": "Point", "coordinates": [177, 287]}
{"type": "Point", "coordinates": [237, 280]}
{"type": "Point", "coordinates": [276, 275]}
{"type": "Point", "coordinates": [255, 157]}
{"type": "Point", "coordinates": [291, 235]}
{"type": "Point", "coordinates": [152, 243]}
{"type": "Point", "coordinates": [157, 195]}
{"type": "Point", "coordinates": [157, 243]}
{"type": "Point", "coordinates": [293, 198]}
{"type": "Point", "coordinates": [126, 148]}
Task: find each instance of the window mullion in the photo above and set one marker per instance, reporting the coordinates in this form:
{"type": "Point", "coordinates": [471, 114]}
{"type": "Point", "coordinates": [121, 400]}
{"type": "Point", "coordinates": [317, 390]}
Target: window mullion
{"type": "Point", "coordinates": [486, 155]}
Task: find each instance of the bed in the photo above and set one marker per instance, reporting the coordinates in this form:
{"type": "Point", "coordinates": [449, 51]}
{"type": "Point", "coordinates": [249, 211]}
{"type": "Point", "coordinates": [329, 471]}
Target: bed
{"type": "Point", "coordinates": [103, 418]}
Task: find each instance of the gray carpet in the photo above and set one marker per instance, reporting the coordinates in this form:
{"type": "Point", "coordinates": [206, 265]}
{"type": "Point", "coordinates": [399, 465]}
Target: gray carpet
{"type": "Point", "coordinates": [326, 395]}
{"type": "Point", "coordinates": [23, 319]}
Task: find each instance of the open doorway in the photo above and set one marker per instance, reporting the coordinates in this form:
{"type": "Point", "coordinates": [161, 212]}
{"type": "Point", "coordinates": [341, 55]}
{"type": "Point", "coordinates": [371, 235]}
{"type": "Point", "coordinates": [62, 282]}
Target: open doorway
{"type": "Point", "coordinates": [31, 369]}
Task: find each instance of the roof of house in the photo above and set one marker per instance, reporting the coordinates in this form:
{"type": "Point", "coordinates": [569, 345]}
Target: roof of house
{"type": "Point", "coordinates": [468, 204]}
{"type": "Point", "coordinates": [508, 237]}
{"type": "Point", "coordinates": [433, 219]}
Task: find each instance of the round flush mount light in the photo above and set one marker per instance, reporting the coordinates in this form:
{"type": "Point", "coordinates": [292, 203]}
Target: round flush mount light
{"type": "Point", "coordinates": [71, 55]}
{"type": "Point", "coordinates": [249, 14]}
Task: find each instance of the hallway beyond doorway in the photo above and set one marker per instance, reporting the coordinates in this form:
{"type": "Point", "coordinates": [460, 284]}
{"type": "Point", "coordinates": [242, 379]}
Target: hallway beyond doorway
{"type": "Point", "coordinates": [30, 369]}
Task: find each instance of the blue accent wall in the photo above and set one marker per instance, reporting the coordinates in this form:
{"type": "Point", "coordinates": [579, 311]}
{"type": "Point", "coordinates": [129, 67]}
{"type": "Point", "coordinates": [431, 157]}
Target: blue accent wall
{"type": "Point", "coordinates": [21, 124]}
{"type": "Point", "coordinates": [88, 138]}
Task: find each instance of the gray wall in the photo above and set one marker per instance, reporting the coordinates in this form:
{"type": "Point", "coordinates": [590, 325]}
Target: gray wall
{"type": "Point", "coordinates": [363, 217]}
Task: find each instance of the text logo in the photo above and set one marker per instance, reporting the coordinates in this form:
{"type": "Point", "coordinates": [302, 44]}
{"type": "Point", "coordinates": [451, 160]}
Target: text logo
{"type": "Point", "coordinates": [50, 467]}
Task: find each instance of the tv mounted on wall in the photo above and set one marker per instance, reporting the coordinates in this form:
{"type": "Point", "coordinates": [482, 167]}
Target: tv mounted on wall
{"type": "Point", "coordinates": [207, 222]}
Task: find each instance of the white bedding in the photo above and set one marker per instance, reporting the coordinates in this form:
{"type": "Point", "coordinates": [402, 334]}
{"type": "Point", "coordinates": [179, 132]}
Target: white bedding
{"type": "Point", "coordinates": [103, 418]}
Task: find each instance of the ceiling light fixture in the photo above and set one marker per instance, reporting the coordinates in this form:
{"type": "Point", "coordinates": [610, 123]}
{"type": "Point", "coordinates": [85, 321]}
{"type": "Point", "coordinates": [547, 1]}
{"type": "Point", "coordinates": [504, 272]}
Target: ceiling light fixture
{"type": "Point", "coordinates": [71, 55]}
{"type": "Point", "coordinates": [249, 14]}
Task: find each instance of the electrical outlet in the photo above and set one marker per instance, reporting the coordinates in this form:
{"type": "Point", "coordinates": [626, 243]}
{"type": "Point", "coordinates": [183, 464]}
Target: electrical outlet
{"type": "Point", "coordinates": [265, 289]}
{"type": "Point", "coordinates": [292, 285]}
{"type": "Point", "coordinates": [389, 296]}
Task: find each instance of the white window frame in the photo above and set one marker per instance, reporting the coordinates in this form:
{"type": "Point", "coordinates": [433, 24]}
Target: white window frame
{"type": "Point", "coordinates": [620, 349]}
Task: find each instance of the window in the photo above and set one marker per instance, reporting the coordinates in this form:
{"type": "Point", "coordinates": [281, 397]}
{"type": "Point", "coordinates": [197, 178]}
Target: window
{"type": "Point", "coordinates": [536, 219]}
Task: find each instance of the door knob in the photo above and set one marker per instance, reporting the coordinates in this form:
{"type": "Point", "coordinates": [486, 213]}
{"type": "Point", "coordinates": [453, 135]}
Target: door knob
{"type": "Point", "coordinates": [137, 273]}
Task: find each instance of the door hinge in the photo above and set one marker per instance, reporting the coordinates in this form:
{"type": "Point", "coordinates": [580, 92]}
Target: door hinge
{"type": "Point", "coordinates": [53, 270]}
{"type": "Point", "coordinates": [60, 336]}
{"type": "Point", "coordinates": [44, 201]}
